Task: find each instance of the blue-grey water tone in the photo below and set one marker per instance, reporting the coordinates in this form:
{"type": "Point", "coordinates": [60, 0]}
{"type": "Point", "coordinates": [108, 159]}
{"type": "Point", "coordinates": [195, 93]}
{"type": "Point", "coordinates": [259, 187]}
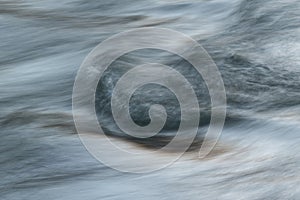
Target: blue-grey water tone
{"type": "Point", "coordinates": [255, 44]}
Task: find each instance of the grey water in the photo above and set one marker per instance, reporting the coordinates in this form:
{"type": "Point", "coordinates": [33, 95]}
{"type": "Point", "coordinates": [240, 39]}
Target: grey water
{"type": "Point", "coordinates": [256, 46]}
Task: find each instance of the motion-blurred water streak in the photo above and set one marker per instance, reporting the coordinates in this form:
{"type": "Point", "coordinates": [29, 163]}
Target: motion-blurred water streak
{"type": "Point", "coordinates": [255, 44]}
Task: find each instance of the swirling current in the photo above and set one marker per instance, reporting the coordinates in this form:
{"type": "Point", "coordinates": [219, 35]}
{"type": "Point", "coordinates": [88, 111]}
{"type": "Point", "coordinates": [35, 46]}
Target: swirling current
{"type": "Point", "coordinates": [256, 46]}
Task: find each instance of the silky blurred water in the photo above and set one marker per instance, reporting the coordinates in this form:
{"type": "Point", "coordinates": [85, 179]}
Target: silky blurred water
{"type": "Point", "coordinates": [255, 44]}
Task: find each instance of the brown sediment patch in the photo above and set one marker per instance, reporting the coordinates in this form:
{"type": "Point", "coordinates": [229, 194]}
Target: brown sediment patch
{"type": "Point", "coordinates": [218, 149]}
{"type": "Point", "coordinates": [158, 142]}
